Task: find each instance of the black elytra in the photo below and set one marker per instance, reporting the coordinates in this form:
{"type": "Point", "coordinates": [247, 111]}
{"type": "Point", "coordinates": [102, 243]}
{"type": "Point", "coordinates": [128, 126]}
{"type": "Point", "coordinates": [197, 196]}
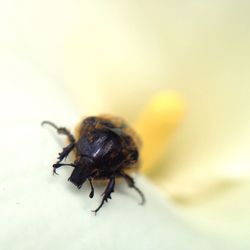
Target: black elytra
{"type": "Point", "coordinates": [105, 148]}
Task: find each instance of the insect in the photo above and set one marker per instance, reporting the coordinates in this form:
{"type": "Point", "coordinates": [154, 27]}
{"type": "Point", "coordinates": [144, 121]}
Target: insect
{"type": "Point", "coordinates": [105, 148]}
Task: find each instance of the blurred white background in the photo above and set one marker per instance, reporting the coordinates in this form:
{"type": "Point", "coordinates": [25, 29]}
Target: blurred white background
{"type": "Point", "coordinates": [111, 56]}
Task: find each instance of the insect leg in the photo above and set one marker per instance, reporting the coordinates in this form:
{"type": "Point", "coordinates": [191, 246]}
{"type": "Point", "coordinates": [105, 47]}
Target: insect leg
{"type": "Point", "coordinates": [63, 155]}
{"type": "Point", "coordinates": [107, 193]}
{"type": "Point", "coordinates": [61, 130]}
{"type": "Point", "coordinates": [91, 195]}
{"type": "Point", "coordinates": [67, 149]}
{"type": "Point", "coordinates": [131, 183]}
{"type": "Point", "coordinates": [58, 165]}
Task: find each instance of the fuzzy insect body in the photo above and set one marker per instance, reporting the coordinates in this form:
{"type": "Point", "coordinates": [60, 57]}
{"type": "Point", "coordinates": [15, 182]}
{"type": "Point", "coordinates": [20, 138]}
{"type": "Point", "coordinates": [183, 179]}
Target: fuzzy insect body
{"type": "Point", "coordinates": [105, 148]}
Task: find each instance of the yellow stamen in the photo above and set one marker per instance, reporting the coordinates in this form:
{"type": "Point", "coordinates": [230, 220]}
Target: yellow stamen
{"type": "Point", "coordinates": [156, 124]}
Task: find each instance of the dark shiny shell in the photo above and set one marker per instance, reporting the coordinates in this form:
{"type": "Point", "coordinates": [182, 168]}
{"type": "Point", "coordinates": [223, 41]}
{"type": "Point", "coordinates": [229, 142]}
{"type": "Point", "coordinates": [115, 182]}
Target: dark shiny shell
{"type": "Point", "coordinates": [109, 141]}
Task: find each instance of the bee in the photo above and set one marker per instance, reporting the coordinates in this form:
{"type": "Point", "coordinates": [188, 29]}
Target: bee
{"type": "Point", "coordinates": [106, 148]}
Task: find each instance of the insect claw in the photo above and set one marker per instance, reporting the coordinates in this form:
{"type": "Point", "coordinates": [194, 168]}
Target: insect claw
{"type": "Point", "coordinates": [94, 211]}
{"type": "Point", "coordinates": [141, 203]}
{"type": "Point", "coordinates": [54, 172]}
{"type": "Point", "coordinates": [91, 195]}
